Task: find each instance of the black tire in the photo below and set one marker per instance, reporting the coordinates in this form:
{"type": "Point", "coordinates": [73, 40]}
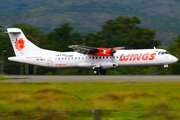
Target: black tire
{"type": "Point", "coordinates": [95, 72]}
{"type": "Point", "coordinates": [103, 72]}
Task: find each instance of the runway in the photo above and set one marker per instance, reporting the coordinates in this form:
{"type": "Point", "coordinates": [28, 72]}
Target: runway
{"type": "Point", "coordinates": [92, 78]}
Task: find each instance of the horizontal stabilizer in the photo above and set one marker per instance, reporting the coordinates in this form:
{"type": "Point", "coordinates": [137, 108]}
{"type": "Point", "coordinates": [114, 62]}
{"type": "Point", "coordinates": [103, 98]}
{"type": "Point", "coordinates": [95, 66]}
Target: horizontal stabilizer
{"type": "Point", "coordinates": [14, 31]}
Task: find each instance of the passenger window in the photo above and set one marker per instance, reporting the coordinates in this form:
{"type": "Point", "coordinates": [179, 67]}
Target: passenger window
{"type": "Point", "coordinates": [92, 57]}
{"type": "Point", "coordinates": [96, 57]}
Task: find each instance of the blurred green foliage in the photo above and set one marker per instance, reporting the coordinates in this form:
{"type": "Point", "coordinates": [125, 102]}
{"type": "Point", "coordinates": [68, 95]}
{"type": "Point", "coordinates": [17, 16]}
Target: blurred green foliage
{"type": "Point", "coordinates": [123, 31]}
{"type": "Point", "coordinates": [89, 15]}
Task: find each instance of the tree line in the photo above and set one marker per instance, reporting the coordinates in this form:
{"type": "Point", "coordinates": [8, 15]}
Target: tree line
{"type": "Point", "coordinates": [123, 31]}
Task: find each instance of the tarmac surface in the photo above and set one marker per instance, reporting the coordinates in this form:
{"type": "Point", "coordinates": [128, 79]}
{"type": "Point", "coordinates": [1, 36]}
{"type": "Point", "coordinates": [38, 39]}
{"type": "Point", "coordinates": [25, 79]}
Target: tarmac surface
{"type": "Point", "coordinates": [92, 78]}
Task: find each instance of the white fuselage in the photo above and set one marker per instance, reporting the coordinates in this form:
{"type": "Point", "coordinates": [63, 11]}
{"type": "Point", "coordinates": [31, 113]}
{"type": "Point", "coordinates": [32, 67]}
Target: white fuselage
{"type": "Point", "coordinates": [101, 60]}
{"type": "Point", "coordinates": [122, 58]}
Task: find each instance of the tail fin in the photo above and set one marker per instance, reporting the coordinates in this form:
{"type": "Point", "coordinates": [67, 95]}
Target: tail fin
{"type": "Point", "coordinates": [21, 45]}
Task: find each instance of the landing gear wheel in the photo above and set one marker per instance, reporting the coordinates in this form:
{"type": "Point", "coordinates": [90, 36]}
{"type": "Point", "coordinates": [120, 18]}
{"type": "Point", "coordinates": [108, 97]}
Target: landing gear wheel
{"type": "Point", "coordinates": [103, 72]}
{"type": "Point", "coordinates": [95, 72]}
{"type": "Point", "coordinates": [167, 69]}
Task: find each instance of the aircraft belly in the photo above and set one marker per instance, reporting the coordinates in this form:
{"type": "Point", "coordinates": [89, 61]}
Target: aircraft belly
{"type": "Point", "coordinates": [103, 65]}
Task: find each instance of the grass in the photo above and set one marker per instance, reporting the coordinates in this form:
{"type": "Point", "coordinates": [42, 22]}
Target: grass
{"type": "Point", "coordinates": [3, 78]}
{"type": "Point", "coordinates": [25, 99]}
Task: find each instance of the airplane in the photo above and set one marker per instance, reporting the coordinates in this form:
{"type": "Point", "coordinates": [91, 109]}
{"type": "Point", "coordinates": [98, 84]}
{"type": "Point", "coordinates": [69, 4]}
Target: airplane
{"type": "Point", "coordinates": [95, 59]}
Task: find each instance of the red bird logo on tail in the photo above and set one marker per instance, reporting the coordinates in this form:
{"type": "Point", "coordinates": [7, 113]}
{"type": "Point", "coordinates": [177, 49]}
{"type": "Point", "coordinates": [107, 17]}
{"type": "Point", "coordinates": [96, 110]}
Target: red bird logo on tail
{"type": "Point", "coordinates": [19, 44]}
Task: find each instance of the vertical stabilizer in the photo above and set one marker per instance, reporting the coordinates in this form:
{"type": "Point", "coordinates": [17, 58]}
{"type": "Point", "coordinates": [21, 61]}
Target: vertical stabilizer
{"type": "Point", "coordinates": [21, 45]}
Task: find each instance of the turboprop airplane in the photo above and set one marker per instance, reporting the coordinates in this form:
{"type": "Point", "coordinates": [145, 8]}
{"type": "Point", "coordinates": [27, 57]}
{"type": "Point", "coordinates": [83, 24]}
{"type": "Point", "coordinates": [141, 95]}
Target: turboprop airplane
{"type": "Point", "coordinates": [96, 59]}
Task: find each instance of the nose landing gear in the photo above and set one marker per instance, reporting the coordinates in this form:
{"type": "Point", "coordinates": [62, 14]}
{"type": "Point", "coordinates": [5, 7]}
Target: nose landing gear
{"type": "Point", "coordinates": [167, 69]}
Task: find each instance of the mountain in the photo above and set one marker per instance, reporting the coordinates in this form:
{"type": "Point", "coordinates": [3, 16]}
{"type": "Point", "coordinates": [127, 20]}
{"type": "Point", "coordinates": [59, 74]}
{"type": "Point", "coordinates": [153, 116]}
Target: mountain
{"type": "Point", "coordinates": [89, 15]}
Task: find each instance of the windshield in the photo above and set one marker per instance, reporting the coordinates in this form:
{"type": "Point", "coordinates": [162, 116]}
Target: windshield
{"type": "Point", "coordinates": [163, 52]}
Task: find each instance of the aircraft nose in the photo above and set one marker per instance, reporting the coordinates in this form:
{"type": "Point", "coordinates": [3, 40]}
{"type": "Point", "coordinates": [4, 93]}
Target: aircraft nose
{"type": "Point", "coordinates": [174, 59]}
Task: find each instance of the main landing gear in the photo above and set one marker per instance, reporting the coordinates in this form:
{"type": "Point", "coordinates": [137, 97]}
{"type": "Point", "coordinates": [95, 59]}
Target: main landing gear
{"type": "Point", "coordinates": [96, 71]}
{"type": "Point", "coordinates": [103, 72]}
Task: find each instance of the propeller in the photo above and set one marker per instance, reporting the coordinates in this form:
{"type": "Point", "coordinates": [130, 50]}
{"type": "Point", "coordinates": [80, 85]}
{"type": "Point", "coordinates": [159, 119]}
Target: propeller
{"type": "Point", "coordinates": [112, 52]}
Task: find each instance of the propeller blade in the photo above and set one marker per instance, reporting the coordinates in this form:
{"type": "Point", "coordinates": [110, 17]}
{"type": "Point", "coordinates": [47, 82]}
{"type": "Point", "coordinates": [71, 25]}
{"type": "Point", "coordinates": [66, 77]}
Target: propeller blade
{"type": "Point", "coordinates": [112, 51]}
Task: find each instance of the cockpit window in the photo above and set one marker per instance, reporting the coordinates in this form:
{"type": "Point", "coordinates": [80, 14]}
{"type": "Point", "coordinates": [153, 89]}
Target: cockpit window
{"type": "Point", "coordinates": [163, 52]}
{"type": "Point", "coordinates": [166, 52]}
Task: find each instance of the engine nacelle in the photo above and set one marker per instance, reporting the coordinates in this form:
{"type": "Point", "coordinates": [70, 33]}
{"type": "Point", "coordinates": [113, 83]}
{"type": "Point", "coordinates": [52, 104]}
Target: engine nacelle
{"type": "Point", "coordinates": [105, 51]}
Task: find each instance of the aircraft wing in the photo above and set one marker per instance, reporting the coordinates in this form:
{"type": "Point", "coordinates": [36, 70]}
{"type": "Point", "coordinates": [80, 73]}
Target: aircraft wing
{"type": "Point", "coordinates": [95, 51]}
{"type": "Point", "coordinates": [83, 49]}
